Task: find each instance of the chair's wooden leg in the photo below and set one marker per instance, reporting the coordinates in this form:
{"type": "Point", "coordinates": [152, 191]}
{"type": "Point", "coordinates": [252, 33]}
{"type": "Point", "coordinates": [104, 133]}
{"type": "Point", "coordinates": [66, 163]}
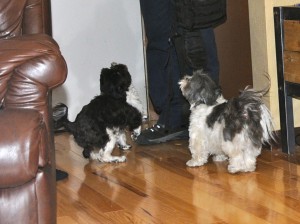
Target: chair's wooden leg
{"type": "Point", "coordinates": [286, 121]}
{"type": "Point", "coordinates": [285, 101]}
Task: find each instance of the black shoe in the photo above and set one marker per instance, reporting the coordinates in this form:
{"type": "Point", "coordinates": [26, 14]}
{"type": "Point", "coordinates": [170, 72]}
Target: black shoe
{"type": "Point", "coordinates": [158, 134]}
{"type": "Point", "coordinates": [59, 115]}
{"type": "Point", "coordinates": [60, 175]}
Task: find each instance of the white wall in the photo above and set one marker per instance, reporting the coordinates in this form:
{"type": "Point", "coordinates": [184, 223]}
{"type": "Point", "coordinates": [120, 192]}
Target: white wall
{"type": "Point", "coordinates": [91, 35]}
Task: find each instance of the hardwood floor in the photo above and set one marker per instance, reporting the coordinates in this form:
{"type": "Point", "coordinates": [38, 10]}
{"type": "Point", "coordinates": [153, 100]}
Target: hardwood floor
{"type": "Point", "coordinates": [155, 186]}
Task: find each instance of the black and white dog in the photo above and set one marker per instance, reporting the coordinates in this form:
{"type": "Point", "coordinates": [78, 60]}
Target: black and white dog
{"type": "Point", "coordinates": [101, 124]}
{"type": "Point", "coordinates": [233, 129]}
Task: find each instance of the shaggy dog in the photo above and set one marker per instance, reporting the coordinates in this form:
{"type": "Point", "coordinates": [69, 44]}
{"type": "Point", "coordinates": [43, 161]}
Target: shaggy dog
{"type": "Point", "coordinates": [232, 129]}
{"type": "Point", "coordinates": [101, 124]}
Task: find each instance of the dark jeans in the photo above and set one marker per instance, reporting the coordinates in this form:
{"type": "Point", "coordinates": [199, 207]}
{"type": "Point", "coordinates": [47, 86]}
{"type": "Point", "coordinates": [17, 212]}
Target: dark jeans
{"type": "Point", "coordinates": [162, 63]}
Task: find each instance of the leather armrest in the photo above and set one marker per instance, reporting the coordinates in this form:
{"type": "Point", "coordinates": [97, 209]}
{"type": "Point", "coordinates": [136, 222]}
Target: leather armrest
{"type": "Point", "coordinates": [35, 56]}
{"type": "Point", "coordinates": [23, 146]}
{"type": "Point", "coordinates": [30, 66]}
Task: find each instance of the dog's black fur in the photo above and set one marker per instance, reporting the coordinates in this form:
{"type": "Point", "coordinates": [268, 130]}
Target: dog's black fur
{"type": "Point", "coordinates": [109, 110]}
{"type": "Point", "coordinates": [238, 113]}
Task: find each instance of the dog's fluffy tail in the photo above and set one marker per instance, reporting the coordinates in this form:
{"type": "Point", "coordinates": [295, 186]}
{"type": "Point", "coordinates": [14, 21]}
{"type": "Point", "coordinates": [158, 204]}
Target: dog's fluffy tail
{"type": "Point", "coordinates": [253, 106]}
{"type": "Point", "coordinates": [61, 122]}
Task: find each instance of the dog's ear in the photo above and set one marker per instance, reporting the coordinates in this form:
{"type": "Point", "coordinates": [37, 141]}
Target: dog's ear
{"type": "Point", "coordinates": [105, 72]}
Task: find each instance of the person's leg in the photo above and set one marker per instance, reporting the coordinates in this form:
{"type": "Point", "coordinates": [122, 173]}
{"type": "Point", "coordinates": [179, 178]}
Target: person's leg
{"type": "Point", "coordinates": [163, 72]}
{"type": "Point", "coordinates": [157, 23]}
{"type": "Point", "coordinates": [171, 115]}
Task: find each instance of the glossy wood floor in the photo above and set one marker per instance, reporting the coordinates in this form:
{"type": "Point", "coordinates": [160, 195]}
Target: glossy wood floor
{"type": "Point", "coordinates": [155, 186]}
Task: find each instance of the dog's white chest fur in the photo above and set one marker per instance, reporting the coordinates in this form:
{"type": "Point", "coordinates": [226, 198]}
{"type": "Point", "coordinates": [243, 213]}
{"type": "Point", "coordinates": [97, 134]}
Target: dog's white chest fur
{"type": "Point", "coordinates": [200, 133]}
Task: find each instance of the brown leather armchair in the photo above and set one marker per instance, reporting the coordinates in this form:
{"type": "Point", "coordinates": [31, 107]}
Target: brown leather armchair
{"type": "Point", "coordinates": [31, 65]}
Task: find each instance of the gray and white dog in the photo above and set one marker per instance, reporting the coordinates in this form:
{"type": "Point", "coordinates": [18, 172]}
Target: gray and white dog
{"type": "Point", "coordinates": [233, 129]}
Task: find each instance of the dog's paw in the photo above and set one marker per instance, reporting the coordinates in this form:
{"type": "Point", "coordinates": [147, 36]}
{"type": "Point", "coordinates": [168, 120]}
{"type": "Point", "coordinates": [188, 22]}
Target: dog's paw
{"type": "Point", "coordinates": [121, 159]}
{"type": "Point", "coordinates": [113, 159]}
{"type": "Point", "coordinates": [219, 158]}
{"type": "Point", "coordinates": [236, 169]}
{"type": "Point", "coordinates": [233, 169]}
{"type": "Point", "coordinates": [124, 147]}
{"type": "Point", "coordinates": [117, 159]}
{"type": "Point", "coordinates": [94, 156]}
{"type": "Point", "coordinates": [136, 132]}
{"type": "Point", "coordinates": [134, 135]}
{"type": "Point", "coordinates": [194, 162]}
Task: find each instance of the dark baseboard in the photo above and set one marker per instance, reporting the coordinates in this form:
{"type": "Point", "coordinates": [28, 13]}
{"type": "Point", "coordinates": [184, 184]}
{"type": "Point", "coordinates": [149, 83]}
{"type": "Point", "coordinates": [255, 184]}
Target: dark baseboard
{"type": "Point", "coordinates": [278, 137]}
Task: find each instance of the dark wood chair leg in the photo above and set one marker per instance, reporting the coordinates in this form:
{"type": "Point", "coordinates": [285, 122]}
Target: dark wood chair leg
{"type": "Point", "coordinates": [285, 100]}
